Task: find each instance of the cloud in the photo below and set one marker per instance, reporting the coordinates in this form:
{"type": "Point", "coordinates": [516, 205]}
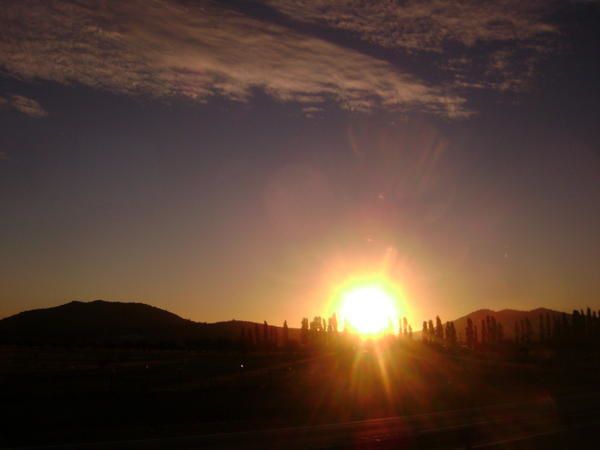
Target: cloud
{"type": "Point", "coordinates": [200, 50]}
{"type": "Point", "coordinates": [311, 111]}
{"type": "Point", "coordinates": [27, 106]}
{"type": "Point", "coordinates": [24, 105]}
{"type": "Point", "coordinates": [515, 30]}
{"type": "Point", "coordinates": [3, 156]}
{"type": "Point", "coordinates": [425, 25]}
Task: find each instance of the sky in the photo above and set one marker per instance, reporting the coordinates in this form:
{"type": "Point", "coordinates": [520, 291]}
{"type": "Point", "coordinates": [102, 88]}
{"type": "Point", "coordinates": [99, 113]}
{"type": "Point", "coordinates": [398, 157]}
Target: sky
{"type": "Point", "coordinates": [242, 159]}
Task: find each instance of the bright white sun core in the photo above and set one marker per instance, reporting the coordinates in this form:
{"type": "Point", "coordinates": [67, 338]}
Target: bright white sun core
{"type": "Point", "coordinates": [368, 310]}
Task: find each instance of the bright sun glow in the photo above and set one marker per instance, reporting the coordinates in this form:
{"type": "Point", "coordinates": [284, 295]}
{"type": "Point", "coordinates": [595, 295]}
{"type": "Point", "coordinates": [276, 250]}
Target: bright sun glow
{"type": "Point", "coordinates": [368, 310]}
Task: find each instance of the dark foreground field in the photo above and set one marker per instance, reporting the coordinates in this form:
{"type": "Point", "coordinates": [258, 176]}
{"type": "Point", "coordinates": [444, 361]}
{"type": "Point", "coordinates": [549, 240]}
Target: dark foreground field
{"type": "Point", "coordinates": [55, 395]}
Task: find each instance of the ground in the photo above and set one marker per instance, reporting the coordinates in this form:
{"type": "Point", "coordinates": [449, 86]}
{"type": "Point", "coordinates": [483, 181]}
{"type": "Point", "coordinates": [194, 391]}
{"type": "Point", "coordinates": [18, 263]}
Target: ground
{"type": "Point", "coordinates": [59, 395]}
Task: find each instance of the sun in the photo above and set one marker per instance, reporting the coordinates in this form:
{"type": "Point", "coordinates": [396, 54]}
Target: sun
{"type": "Point", "coordinates": [368, 310]}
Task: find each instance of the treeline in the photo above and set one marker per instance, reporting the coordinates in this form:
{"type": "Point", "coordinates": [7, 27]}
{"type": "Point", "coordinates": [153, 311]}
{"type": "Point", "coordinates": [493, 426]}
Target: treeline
{"type": "Point", "coordinates": [312, 333]}
{"type": "Point", "coordinates": [553, 328]}
{"type": "Point", "coordinates": [439, 333]}
{"type": "Point", "coordinates": [265, 337]}
{"type": "Point", "coordinates": [576, 328]}
{"type": "Point", "coordinates": [490, 332]}
{"type": "Point", "coordinates": [319, 332]}
{"type": "Point", "coordinates": [560, 328]}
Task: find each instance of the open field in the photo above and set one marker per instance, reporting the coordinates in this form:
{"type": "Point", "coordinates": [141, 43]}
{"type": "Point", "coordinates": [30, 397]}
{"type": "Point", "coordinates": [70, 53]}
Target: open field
{"type": "Point", "coordinates": [61, 396]}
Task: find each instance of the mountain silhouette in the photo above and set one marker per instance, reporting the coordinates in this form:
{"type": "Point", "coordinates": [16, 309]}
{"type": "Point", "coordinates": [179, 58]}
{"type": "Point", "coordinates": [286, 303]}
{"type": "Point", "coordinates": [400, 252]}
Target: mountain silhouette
{"type": "Point", "coordinates": [96, 320]}
{"type": "Point", "coordinates": [507, 317]}
{"type": "Point", "coordinates": [102, 321]}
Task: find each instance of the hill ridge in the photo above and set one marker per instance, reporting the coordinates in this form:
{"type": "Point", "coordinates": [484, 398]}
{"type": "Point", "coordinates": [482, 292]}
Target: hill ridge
{"type": "Point", "coordinates": [114, 321]}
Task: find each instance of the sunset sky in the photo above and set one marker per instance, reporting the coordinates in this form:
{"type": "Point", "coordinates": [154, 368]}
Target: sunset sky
{"type": "Point", "coordinates": [242, 159]}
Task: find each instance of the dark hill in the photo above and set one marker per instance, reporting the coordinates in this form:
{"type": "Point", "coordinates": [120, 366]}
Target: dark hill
{"type": "Point", "coordinates": [103, 322]}
{"type": "Point", "coordinates": [507, 317]}
{"type": "Point", "coordinates": [96, 320]}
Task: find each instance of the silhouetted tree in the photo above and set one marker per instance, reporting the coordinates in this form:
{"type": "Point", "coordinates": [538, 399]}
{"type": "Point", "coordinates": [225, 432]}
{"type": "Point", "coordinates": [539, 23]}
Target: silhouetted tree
{"type": "Point", "coordinates": [425, 332]}
{"type": "Point", "coordinates": [454, 335]}
{"type": "Point", "coordinates": [316, 326]}
{"type": "Point", "coordinates": [332, 325]}
{"type": "Point", "coordinates": [304, 331]}
{"type": "Point", "coordinates": [439, 329]}
{"type": "Point", "coordinates": [265, 333]}
{"type": "Point", "coordinates": [450, 333]}
{"type": "Point", "coordinates": [286, 336]}
{"type": "Point", "coordinates": [431, 331]}
{"type": "Point", "coordinates": [469, 333]}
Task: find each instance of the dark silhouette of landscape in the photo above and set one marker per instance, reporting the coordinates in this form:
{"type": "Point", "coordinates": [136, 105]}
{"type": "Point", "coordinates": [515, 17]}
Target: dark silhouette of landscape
{"type": "Point", "coordinates": [103, 322]}
{"type": "Point", "coordinates": [396, 203]}
{"type": "Point", "coordinates": [113, 371]}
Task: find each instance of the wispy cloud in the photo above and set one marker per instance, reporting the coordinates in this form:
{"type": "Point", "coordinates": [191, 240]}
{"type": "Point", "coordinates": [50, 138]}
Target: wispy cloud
{"type": "Point", "coordinates": [311, 111]}
{"type": "Point", "coordinates": [25, 105]}
{"type": "Point", "coordinates": [517, 28]}
{"type": "Point", "coordinates": [426, 25]}
{"type": "Point", "coordinates": [166, 48]}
